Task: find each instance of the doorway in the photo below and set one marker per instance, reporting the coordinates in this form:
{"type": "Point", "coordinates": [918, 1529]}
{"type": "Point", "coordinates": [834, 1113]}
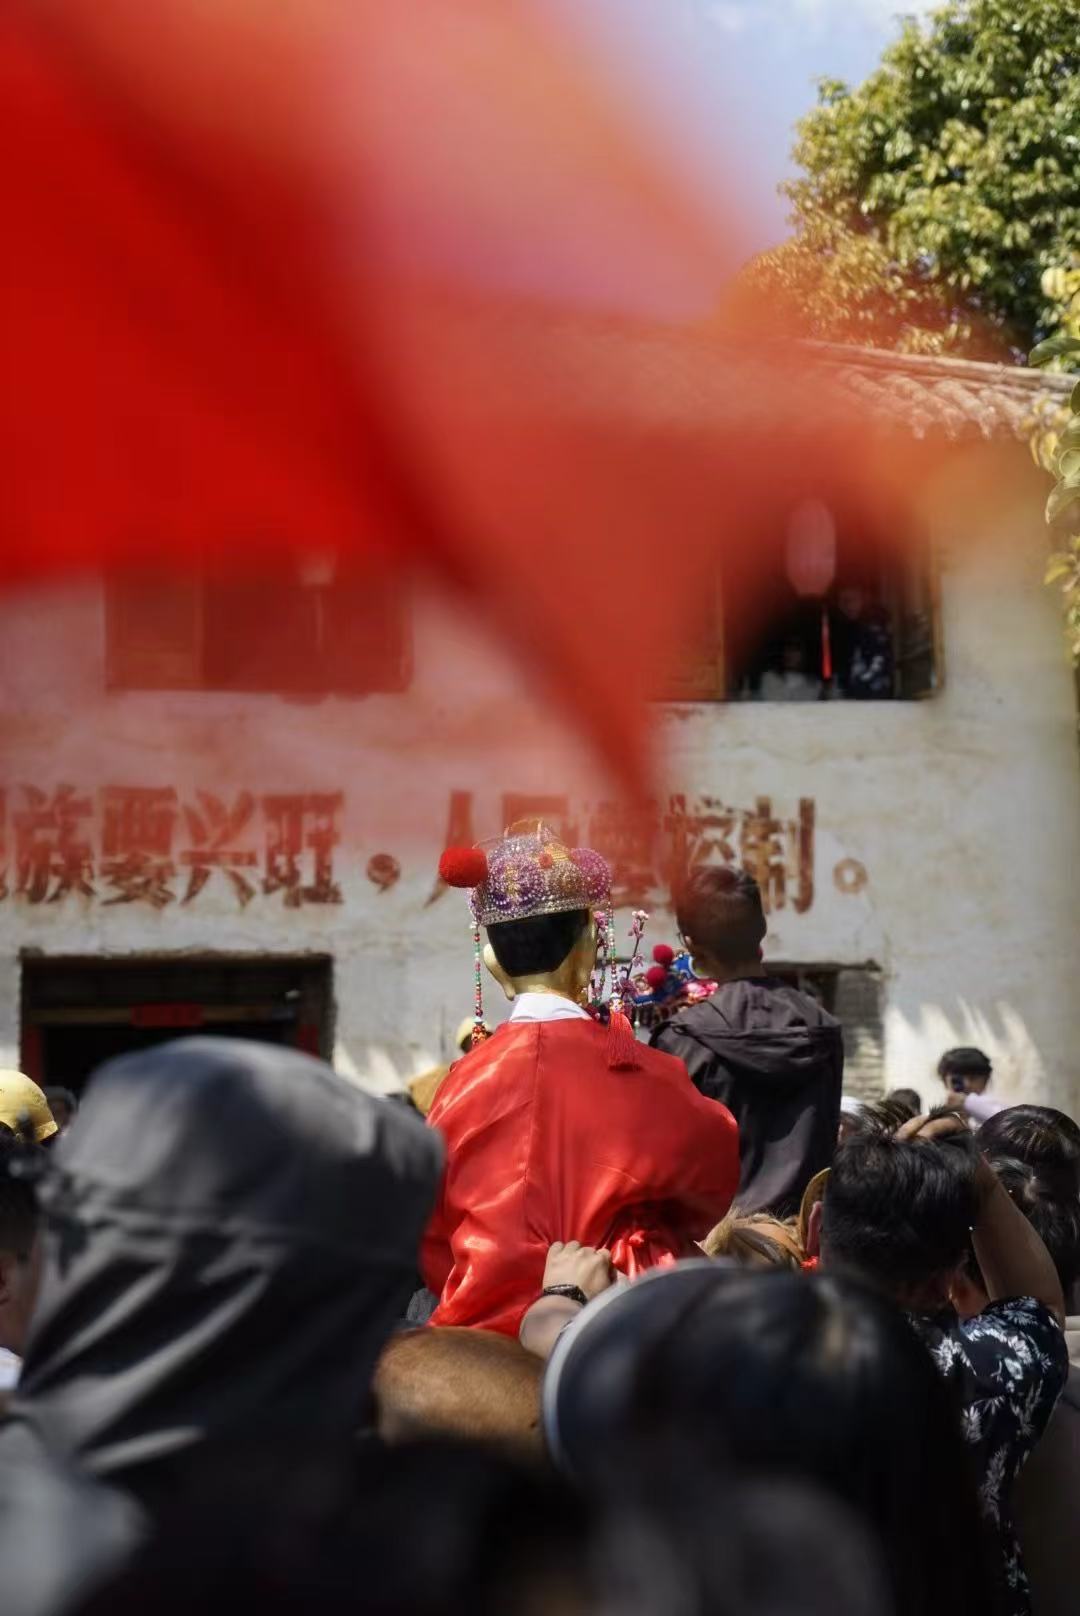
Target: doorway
{"type": "Point", "coordinates": [77, 1012]}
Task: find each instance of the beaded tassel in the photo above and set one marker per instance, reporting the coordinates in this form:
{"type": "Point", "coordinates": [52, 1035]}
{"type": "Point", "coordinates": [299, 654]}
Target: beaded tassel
{"type": "Point", "coordinates": [616, 993]}
{"type": "Point", "coordinates": [480, 1032]}
{"type": "Point", "coordinates": [603, 958]}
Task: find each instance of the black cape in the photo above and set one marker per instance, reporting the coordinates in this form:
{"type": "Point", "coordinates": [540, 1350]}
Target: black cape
{"type": "Point", "coordinates": [231, 1234]}
{"type": "Point", "coordinates": [775, 1058]}
{"type": "Point", "coordinates": [61, 1535]}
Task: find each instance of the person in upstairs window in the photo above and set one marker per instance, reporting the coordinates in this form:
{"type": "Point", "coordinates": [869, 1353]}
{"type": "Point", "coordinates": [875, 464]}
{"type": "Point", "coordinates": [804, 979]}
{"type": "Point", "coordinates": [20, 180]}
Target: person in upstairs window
{"type": "Point", "coordinates": [864, 664]}
{"type": "Point", "coordinates": [790, 681]}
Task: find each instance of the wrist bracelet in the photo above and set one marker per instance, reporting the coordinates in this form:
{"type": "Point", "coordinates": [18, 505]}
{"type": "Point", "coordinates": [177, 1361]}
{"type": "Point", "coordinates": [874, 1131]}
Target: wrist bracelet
{"type": "Point", "coordinates": [573, 1293]}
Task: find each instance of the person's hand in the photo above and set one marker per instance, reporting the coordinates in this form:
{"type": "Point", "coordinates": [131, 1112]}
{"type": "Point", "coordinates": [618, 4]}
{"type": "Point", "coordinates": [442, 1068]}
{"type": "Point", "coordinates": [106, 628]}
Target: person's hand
{"type": "Point", "coordinates": [571, 1263]}
{"type": "Point", "coordinates": [925, 1129]}
{"type": "Point", "coordinates": [955, 1100]}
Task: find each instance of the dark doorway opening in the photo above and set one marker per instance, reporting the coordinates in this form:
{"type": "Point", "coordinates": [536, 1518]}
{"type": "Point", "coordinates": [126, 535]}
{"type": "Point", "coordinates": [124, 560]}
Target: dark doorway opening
{"type": "Point", "coordinates": [77, 1013]}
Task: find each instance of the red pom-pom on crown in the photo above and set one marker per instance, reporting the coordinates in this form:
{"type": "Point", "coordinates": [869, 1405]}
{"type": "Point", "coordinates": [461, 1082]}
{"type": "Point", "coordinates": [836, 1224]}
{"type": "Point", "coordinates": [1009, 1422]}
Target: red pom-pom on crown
{"type": "Point", "coordinates": [663, 954]}
{"type": "Point", "coordinates": [463, 867]}
{"type": "Point", "coordinates": [656, 976]}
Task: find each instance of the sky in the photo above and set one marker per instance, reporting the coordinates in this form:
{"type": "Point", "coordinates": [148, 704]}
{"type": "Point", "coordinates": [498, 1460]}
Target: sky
{"type": "Point", "coordinates": [768, 53]}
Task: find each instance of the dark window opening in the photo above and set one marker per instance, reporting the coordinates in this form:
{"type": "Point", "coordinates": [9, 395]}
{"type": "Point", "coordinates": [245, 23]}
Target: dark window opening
{"type": "Point", "coordinates": [319, 634]}
{"type": "Point", "coordinates": [77, 1013]}
{"type": "Point", "coordinates": [818, 608]}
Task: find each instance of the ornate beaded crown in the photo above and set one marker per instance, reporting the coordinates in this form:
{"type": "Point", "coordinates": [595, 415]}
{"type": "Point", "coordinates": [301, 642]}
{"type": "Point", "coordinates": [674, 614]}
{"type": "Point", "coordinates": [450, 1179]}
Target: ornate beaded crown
{"type": "Point", "coordinates": [525, 872]}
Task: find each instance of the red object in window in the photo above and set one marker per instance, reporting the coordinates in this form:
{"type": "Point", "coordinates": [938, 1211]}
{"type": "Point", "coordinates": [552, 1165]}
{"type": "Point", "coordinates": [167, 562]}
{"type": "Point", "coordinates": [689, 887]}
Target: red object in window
{"type": "Point", "coordinates": [33, 1063]}
{"type": "Point", "coordinates": [810, 554]}
{"type": "Point", "coordinates": [167, 1015]}
{"type": "Point", "coordinates": [307, 1038]}
{"type": "Point", "coordinates": [826, 645]}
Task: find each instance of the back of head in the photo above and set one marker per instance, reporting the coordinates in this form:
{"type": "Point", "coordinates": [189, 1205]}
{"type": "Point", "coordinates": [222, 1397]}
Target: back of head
{"type": "Point", "coordinates": [538, 945]}
{"type": "Point", "coordinates": [780, 1377]}
{"type": "Point", "coordinates": [888, 1114]}
{"type": "Point", "coordinates": [229, 1233]}
{"type": "Point", "coordinates": [755, 1240]}
{"type": "Point", "coordinates": [965, 1062]}
{"type": "Point", "coordinates": [1047, 1140]}
{"type": "Point", "coordinates": [897, 1212]}
{"type": "Point", "coordinates": [719, 910]}
{"type": "Point", "coordinates": [1054, 1216]}
{"type": "Point", "coordinates": [471, 1384]}
{"type": "Point", "coordinates": [906, 1100]}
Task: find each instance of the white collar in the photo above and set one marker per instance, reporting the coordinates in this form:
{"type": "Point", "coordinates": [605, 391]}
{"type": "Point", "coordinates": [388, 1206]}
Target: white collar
{"type": "Point", "coordinates": [546, 1007]}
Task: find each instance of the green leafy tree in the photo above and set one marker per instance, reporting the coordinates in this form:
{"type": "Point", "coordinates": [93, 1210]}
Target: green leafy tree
{"type": "Point", "coordinates": [1062, 457]}
{"type": "Point", "coordinates": [938, 207]}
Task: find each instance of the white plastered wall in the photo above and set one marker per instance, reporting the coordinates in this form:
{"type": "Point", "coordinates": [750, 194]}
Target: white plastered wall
{"type": "Point", "coordinates": [964, 811]}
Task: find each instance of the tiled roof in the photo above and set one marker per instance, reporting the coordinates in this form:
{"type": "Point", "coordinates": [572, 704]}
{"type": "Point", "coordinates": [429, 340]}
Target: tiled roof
{"type": "Point", "coordinates": [661, 378]}
{"type": "Point", "coordinates": [956, 397]}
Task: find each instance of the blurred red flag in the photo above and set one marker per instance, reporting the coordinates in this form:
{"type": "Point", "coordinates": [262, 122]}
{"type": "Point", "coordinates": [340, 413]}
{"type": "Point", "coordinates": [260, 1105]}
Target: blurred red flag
{"type": "Point", "coordinates": [408, 281]}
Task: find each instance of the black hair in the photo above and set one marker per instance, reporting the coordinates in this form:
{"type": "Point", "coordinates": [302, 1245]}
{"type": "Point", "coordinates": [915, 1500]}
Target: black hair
{"type": "Point", "coordinates": [536, 946]}
{"type": "Point", "coordinates": [898, 1212]}
{"type": "Point", "coordinates": [1047, 1140]}
{"type": "Point", "coordinates": [908, 1099]}
{"type": "Point", "coordinates": [20, 1164]}
{"type": "Point", "coordinates": [720, 909]}
{"type": "Point", "coordinates": [1054, 1217]}
{"type": "Point", "coordinates": [785, 1378]}
{"type": "Point", "coordinates": [495, 1536]}
{"type": "Point", "coordinates": [884, 1116]}
{"type": "Point", "coordinates": [964, 1062]}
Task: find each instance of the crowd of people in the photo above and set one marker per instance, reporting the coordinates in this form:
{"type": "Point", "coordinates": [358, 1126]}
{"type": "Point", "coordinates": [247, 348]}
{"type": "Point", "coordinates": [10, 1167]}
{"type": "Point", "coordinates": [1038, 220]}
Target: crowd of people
{"type": "Point", "coordinates": [664, 1330]}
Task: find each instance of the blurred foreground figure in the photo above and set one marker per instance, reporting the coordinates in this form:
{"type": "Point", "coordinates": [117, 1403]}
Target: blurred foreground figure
{"type": "Point", "coordinates": [230, 1234]}
{"type": "Point", "coordinates": [449, 1529]}
{"type": "Point", "coordinates": [777, 1378]}
{"type": "Point", "coordinates": [558, 1127]}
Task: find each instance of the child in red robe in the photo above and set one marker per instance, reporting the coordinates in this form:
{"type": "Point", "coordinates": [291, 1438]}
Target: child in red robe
{"type": "Point", "coordinates": [559, 1127]}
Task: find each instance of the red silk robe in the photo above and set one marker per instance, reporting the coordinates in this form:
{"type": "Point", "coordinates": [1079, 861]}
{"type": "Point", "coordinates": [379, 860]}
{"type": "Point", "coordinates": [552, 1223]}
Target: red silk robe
{"type": "Point", "coordinates": [545, 1141]}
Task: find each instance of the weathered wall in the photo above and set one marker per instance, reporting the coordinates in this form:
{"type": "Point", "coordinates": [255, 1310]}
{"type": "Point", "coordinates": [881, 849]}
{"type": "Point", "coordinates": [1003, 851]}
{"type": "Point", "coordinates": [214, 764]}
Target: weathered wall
{"type": "Point", "coordinates": [946, 834]}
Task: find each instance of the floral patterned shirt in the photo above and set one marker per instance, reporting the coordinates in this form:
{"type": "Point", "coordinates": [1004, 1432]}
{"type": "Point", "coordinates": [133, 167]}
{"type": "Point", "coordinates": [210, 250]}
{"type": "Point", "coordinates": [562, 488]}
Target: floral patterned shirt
{"type": "Point", "coordinates": [1007, 1366]}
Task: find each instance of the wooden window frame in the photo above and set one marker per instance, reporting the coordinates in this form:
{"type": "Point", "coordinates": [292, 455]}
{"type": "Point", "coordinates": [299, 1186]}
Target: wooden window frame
{"type": "Point", "coordinates": [131, 666]}
{"type": "Point", "coordinates": [711, 680]}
